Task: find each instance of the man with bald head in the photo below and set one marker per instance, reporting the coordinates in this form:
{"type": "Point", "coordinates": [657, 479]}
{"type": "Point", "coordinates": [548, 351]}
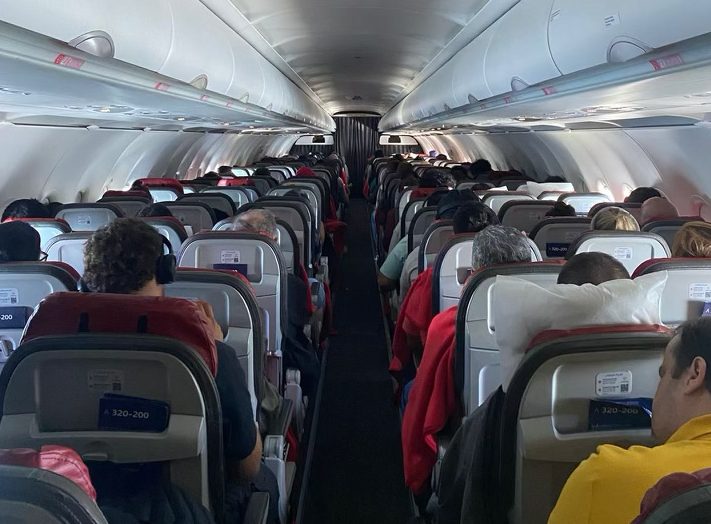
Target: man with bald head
{"type": "Point", "coordinates": [657, 208]}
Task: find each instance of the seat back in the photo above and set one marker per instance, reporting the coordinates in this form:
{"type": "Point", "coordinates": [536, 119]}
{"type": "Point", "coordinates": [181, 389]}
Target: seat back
{"type": "Point", "coordinates": [69, 248]}
{"type": "Point", "coordinates": [318, 185]}
{"type": "Point", "coordinates": [38, 495]}
{"type": "Point", "coordinates": [278, 173]}
{"type": "Point", "coordinates": [545, 425]}
{"type": "Point", "coordinates": [254, 255]}
{"type": "Point", "coordinates": [89, 217]}
{"type": "Point", "coordinates": [239, 195]}
{"type": "Point", "coordinates": [48, 228]}
{"type": "Point", "coordinates": [554, 235]}
{"type": "Point", "coordinates": [170, 227]}
{"type": "Point", "coordinates": [309, 192]}
{"type": "Point", "coordinates": [129, 206]}
{"type": "Point", "coordinates": [55, 367]}
{"type": "Point", "coordinates": [496, 199]}
{"type": "Point", "coordinates": [433, 240]}
{"type": "Point", "coordinates": [421, 222]}
{"type": "Point", "coordinates": [634, 208]}
{"type": "Point", "coordinates": [477, 363]}
{"type": "Point", "coordinates": [237, 312]}
{"type": "Point", "coordinates": [668, 228]}
{"type": "Point", "coordinates": [214, 200]}
{"type": "Point", "coordinates": [411, 209]}
{"type": "Point", "coordinates": [403, 200]}
{"type": "Point", "coordinates": [23, 285]}
{"type": "Point", "coordinates": [165, 194]}
{"type": "Point", "coordinates": [198, 215]}
{"type": "Point", "coordinates": [688, 287]}
{"type": "Point", "coordinates": [583, 202]}
{"type": "Point", "coordinates": [631, 248]}
{"type": "Point", "coordinates": [524, 215]}
{"type": "Point", "coordinates": [690, 505]}
{"type": "Point", "coordinates": [550, 195]}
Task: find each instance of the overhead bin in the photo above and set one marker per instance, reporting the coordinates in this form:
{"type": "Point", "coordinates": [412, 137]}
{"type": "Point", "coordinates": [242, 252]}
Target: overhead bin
{"type": "Point", "coordinates": [468, 72]}
{"type": "Point", "coordinates": [518, 55]}
{"type": "Point", "coordinates": [586, 34]}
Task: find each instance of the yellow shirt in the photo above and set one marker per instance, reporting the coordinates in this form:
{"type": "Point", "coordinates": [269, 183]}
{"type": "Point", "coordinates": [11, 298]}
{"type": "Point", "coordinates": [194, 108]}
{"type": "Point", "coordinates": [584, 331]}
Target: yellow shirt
{"type": "Point", "coordinates": [607, 488]}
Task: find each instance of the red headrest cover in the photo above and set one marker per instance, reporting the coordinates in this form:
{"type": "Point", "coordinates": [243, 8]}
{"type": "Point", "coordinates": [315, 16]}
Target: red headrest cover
{"type": "Point", "coordinates": [57, 459]}
{"type": "Point", "coordinates": [59, 221]}
{"type": "Point", "coordinates": [240, 181]}
{"type": "Point", "coordinates": [162, 182]}
{"type": "Point", "coordinates": [305, 171]}
{"type": "Point", "coordinates": [553, 334]}
{"type": "Point", "coordinates": [177, 318]}
{"type": "Point", "coordinates": [134, 193]}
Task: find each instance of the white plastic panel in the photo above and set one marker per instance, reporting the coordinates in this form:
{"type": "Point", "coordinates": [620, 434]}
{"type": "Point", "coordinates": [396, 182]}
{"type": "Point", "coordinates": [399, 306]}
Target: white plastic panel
{"type": "Point", "coordinates": [468, 78]}
{"type": "Point", "coordinates": [582, 34]}
{"type": "Point", "coordinates": [519, 48]}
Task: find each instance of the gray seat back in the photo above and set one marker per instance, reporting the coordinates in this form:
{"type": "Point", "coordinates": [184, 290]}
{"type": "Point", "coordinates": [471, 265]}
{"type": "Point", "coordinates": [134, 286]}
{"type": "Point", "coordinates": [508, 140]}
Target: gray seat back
{"type": "Point", "coordinates": [583, 202]}
{"type": "Point", "coordinates": [686, 506]}
{"type": "Point", "coordinates": [403, 200]}
{"type": "Point", "coordinates": [631, 248]}
{"type": "Point", "coordinates": [260, 259]}
{"type": "Point", "coordinates": [164, 194]}
{"type": "Point", "coordinates": [129, 206]}
{"type": "Point", "coordinates": [667, 229]}
{"type": "Point", "coordinates": [433, 240]}
{"type": "Point", "coordinates": [311, 194]}
{"type": "Point", "coordinates": [496, 199]}
{"type": "Point", "coordinates": [69, 248]}
{"type": "Point", "coordinates": [554, 235]}
{"type": "Point", "coordinates": [214, 200]}
{"type": "Point", "coordinates": [422, 220]}
{"type": "Point", "coordinates": [89, 217]}
{"type": "Point", "coordinates": [524, 215]}
{"type": "Point", "coordinates": [286, 240]}
{"type": "Point", "coordinates": [477, 361]}
{"type": "Point", "coordinates": [48, 228]}
{"type": "Point", "coordinates": [44, 497]}
{"type": "Point", "coordinates": [171, 228]}
{"type": "Point", "coordinates": [411, 209]}
{"type": "Point", "coordinates": [240, 196]}
{"type": "Point", "coordinates": [198, 215]}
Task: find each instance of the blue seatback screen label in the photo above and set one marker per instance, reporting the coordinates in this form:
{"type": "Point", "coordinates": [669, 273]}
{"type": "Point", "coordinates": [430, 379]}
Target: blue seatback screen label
{"type": "Point", "coordinates": [616, 414]}
{"type": "Point", "coordinates": [125, 413]}
{"type": "Point", "coordinates": [241, 268]}
{"type": "Point", "coordinates": [556, 249]}
{"type": "Point", "coordinates": [14, 317]}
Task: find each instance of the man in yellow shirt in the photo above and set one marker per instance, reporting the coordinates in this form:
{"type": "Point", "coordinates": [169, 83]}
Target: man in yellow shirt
{"type": "Point", "coordinates": [608, 487]}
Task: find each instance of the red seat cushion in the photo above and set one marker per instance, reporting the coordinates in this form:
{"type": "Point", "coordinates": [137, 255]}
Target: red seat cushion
{"type": "Point", "coordinates": [180, 319]}
{"type": "Point", "coordinates": [57, 459]}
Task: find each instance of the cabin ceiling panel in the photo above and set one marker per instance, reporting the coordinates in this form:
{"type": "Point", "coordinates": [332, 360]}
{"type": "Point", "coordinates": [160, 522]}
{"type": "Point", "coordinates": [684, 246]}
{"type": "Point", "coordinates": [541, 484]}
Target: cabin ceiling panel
{"type": "Point", "coordinates": [371, 49]}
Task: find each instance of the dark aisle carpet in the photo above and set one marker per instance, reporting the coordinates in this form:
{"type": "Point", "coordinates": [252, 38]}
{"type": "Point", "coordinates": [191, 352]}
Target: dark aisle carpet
{"type": "Point", "coordinates": [356, 473]}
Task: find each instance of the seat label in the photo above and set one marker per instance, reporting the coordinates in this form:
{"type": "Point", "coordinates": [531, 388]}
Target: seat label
{"type": "Point", "coordinates": [556, 249]}
{"type": "Point", "coordinates": [106, 380]}
{"type": "Point", "coordinates": [9, 296]}
{"type": "Point", "coordinates": [622, 253]}
{"type": "Point", "coordinates": [84, 220]}
{"type": "Point", "coordinates": [613, 384]}
{"type": "Point", "coordinates": [230, 256]}
{"type": "Point", "coordinates": [701, 291]}
{"type": "Point", "coordinates": [124, 413]}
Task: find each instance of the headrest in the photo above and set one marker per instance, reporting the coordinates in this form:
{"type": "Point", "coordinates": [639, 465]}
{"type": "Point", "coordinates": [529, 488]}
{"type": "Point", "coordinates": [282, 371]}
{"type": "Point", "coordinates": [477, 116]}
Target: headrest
{"type": "Point", "coordinates": [164, 221]}
{"type": "Point", "coordinates": [111, 193]}
{"type": "Point", "coordinates": [522, 310]}
{"type": "Point", "coordinates": [186, 271]}
{"type": "Point", "coordinates": [240, 181]}
{"type": "Point", "coordinates": [57, 459]}
{"type": "Point", "coordinates": [59, 221]}
{"type": "Point", "coordinates": [71, 313]}
{"type": "Point", "coordinates": [162, 182]}
{"type": "Point", "coordinates": [663, 264]}
{"type": "Point", "coordinates": [550, 335]}
{"type": "Point", "coordinates": [305, 171]}
{"type": "Point", "coordinates": [60, 270]}
{"type": "Point", "coordinates": [669, 487]}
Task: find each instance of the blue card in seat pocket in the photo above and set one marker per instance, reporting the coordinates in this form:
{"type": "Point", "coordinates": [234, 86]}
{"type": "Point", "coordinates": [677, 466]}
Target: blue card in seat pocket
{"type": "Point", "coordinates": [616, 414]}
{"type": "Point", "coordinates": [125, 413]}
{"type": "Point", "coordinates": [14, 317]}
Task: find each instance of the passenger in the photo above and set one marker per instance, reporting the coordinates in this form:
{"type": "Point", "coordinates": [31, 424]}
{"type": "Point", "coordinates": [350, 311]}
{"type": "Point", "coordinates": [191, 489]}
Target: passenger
{"type": "Point", "coordinates": [432, 401]}
{"type": "Point", "coordinates": [480, 168]}
{"type": "Point", "coordinates": [467, 472]}
{"type": "Point", "coordinates": [693, 240]}
{"type": "Point", "coordinates": [657, 208]}
{"type": "Point", "coordinates": [459, 173]}
{"type": "Point", "coordinates": [25, 208]}
{"type": "Point", "coordinates": [441, 156]}
{"type": "Point", "coordinates": [561, 209]}
{"type": "Point", "coordinates": [639, 195]}
{"type": "Point", "coordinates": [224, 171]}
{"type": "Point", "coordinates": [53, 208]}
{"type": "Point", "coordinates": [155, 210]}
{"type": "Point", "coordinates": [614, 218]}
{"type": "Point", "coordinates": [608, 486]}
{"type": "Point", "coordinates": [121, 258]}
{"type": "Point", "coordinates": [19, 242]}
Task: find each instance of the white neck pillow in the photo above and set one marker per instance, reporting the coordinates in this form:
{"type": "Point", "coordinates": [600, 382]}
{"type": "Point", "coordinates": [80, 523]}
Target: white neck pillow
{"type": "Point", "coordinates": [523, 309]}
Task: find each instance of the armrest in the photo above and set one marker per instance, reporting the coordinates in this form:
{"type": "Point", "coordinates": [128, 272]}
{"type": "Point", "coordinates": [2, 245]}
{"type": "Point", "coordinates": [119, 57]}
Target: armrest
{"type": "Point", "coordinates": [257, 509]}
{"type": "Point", "coordinates": [280, 424]}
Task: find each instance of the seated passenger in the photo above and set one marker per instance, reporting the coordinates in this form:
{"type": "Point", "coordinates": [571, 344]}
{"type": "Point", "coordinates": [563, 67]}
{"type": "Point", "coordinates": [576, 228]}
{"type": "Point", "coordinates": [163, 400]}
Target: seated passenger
{"type": "Point", "coordinates": [639, 195]}
{"type": "Point", "coordinates": [609, 486]}
{"type": "Point", "coordinates": [480, 168]}
{"type": "Point", "coordinates": [614, 218]}
{"type": "Point", "coordinates": [467, 472]}
{"type": "Point", "coordinates": [657, 208]}
{"type": "Point", "coordinates": [561, 209]}
{"type": "Point", "coordinates": [121, 258]}
{"type": "Point", "coordinates": [693, 240]}
{"type": "Point", "coordinates": [25, 208]}
{"type": "Point", "coordinates": [155, 210]}
{"type": "Point", "coordinates": [432, 401]}
{"type": "Point", "coordinates": [19, 242]}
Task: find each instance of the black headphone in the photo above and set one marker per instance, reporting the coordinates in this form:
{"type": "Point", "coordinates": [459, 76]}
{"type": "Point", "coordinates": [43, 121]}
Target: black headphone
{"type": "Point", "coordinates": [166, 266]}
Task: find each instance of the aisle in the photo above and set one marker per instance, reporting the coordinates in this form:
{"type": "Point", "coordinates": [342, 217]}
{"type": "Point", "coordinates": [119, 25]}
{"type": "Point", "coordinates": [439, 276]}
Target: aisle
{"type": "Point", "coordinates": [356, 473]}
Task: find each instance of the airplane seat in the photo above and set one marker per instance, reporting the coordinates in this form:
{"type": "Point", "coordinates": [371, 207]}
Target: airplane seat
{"type": "Point", "coordinates": [111, 193]}
{"type": "Point", "coordinates": [69, 248]}
{"type": "Point", "coordinates": [411, 209]}
{"type": "Point", "coordinates": [419, 224]}
{"type": "Point", "coordinates": [678, 498]}
{"type": "Point", "coordinates": [631, 248]}
{"type": "Point", "coordinates": [669, 227]}
{"type": "Point", "coordinates": [277, 174]}
{"type": "Point", "coordinates": [688, 287]}
{"type": "Point", "coordinates": [554, 235]}
{"type": "Point", "coordinates": [129, 205]}
{"type": "Point", "coordinates": [402, 200]}
{"type": "Point", "coordinates": [170, 227]}
{"type": "Point", "coordinates": [319, 183]}
{"type": "Point", "coordinates": [583, 202]}
{"type": "Point", "coordinates": [48, 228]}
{"type": "Point", "coordinates": [437, 234]}
{"type": "Point", "coordinates": [308, 192]}
{"type": "Point", "coordinates": [147, 395]}
{"type": "Point", "coordinates": [163, 189]}
{"type": "Point", "coordinates": [240, 195]}
{"type": "Point", "coordinates": [496, 199]}
{"type": "Point", "coordinates": [476, 360]}
{"type": "Point", "coordinates": [550, 195]}
{"type": "Point", "coordinates": [524, 215]}
{"type": "Point", "coordinates": [89, 217]}
{"type": "Point", "coordinates": [261, 186]}
{"type": "Point", "coordinates": [634, 208]}
{"type": "Point", "coordinates": [197, 215]}
{"type": "Point", "coordinates": [23, 285]}
{"type": "Point", "coordinates": [161, 182]}
{"type": "Point", "coordinates": [214, 200]}
{"type": "Point", "coordinates": [263, 182]}
{"type": "Point", "coordinates": [548, 425]}
{"type": "Point", "coordinates": [30, 494]}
